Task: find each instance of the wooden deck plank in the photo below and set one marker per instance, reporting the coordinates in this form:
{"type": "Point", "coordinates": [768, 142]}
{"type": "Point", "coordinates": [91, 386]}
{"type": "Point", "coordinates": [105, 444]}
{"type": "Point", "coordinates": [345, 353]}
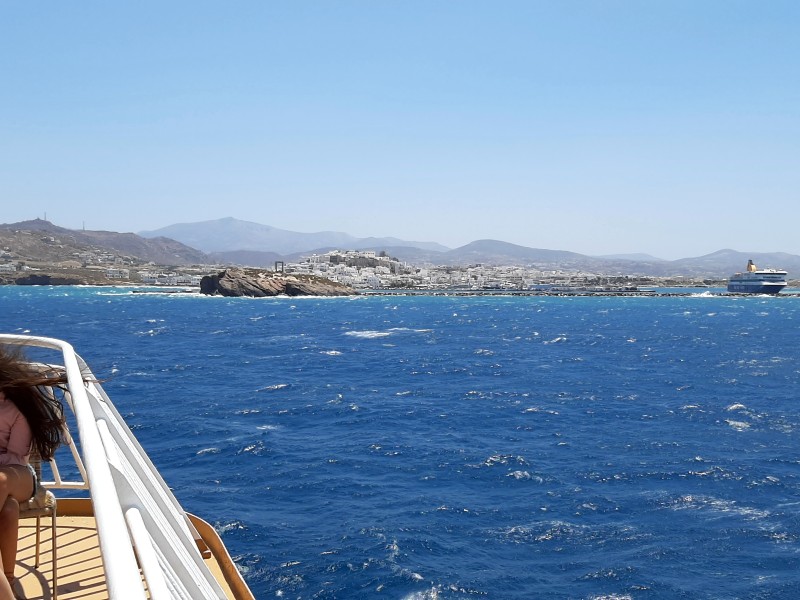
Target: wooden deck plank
{"type": "Point", "coordinates": [80, 567]}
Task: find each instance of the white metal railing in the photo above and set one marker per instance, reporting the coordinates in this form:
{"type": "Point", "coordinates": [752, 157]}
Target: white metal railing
{"type": "Point", "coordinates": [58, 483]}
{"type": "Point", "coordinates": [131, 500]}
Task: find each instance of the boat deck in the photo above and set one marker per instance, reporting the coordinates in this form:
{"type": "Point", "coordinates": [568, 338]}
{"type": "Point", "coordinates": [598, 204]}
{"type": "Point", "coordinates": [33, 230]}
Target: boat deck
{"type": "Point", "coordinates": [80, 567]}
{"type": "Point", "coordinates": [132, 540]}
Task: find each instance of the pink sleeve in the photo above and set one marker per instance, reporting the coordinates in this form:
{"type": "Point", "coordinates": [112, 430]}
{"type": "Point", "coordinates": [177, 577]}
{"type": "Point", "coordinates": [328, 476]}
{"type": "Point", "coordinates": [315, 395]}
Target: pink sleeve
{"type": "Point", "coordinates": [19, 443]}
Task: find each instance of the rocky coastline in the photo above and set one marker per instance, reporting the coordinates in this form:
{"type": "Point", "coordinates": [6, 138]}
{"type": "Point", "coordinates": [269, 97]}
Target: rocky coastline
{"type": "Point", "coordinates": [56, 276]}
{"type": "Point", "coordinates": [49, 280]}
{"type": "Point", "coordinates": [236, 282]}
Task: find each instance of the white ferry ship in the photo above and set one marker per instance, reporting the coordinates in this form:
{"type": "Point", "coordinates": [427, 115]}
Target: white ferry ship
{"type": "Point", "coordinates": [757, 281]}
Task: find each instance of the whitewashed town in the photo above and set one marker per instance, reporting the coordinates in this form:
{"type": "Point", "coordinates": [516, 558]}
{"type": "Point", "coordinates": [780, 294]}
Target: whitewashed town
{"type": "Point", "coordinates": [370, 270]}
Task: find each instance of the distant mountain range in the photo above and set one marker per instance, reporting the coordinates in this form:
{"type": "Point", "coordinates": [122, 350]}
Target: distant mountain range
{"type": "Point", "coordinates": [243, 242]}
{"type": "Point", "coordinates": [231, 235]}
{"type": "Point", "coordinates": [233, 242]}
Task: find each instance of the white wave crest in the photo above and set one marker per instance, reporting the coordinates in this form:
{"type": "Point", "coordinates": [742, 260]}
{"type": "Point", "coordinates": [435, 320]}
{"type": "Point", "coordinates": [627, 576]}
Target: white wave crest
{"type": "Point", "coordinates": [368, 335]}
{"type": "Point", "coordinates": [536, 409]}
{"type": "Point", "coordinates": [431, 594]}
{"type": "Point", "coordinates": [207, 451]}
{"type": "Point", "coordinates": [519, 475]}
{"type": "Point", "coordinates": [272, 388]}
{"type": "Point", "coordinates": [504, 459]}
{"type": "Point", "coordinates": [223, 528]}
{"type": "Point", "coordinates": [719, 505]}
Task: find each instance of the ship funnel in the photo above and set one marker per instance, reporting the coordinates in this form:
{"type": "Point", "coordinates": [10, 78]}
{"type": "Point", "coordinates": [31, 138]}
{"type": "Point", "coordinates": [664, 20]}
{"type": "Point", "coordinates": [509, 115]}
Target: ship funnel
{"type": "Point", "coordinates": [751, 268]}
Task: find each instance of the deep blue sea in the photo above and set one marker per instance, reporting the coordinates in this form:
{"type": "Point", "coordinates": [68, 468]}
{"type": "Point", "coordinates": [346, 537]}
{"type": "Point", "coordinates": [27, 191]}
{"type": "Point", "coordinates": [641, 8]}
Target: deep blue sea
{"type": "Point", "coordinates": [460, 448]}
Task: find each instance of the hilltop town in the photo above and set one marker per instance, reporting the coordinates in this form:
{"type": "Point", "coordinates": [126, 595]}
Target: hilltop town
{"type": "Point", "coordinates": [46, 258]}
{"type": "Point", "coordinates": [38, 252]}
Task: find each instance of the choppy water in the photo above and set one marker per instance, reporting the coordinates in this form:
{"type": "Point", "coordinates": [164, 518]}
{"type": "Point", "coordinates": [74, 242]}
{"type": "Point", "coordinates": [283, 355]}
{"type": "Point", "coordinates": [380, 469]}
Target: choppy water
{"type": "Point", "coordinates": [439, 447]}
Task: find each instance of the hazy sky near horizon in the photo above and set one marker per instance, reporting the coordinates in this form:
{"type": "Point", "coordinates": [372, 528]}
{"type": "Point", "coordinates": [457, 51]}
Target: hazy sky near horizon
{"type": "Point", "coordinates": [601, 127]}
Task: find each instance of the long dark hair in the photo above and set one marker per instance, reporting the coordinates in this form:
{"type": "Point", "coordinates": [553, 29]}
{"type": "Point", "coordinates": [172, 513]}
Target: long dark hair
{"type": "Point", "coordinates": [27, 387]}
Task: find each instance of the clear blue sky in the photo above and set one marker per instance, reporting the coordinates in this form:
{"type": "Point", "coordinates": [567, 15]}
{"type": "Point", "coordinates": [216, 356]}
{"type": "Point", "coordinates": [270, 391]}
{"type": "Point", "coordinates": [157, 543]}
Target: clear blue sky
{"type": "Point", "coordinates": [615, 126]}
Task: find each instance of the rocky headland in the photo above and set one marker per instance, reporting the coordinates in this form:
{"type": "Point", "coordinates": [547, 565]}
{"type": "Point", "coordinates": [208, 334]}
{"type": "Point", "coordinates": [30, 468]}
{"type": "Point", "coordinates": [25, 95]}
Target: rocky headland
{"type": "Point", "coordinates": [259, 284]}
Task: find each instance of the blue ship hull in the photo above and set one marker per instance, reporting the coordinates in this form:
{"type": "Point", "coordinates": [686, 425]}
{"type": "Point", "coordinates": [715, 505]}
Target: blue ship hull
{"type": "Point", "coordinates": [755, 287]}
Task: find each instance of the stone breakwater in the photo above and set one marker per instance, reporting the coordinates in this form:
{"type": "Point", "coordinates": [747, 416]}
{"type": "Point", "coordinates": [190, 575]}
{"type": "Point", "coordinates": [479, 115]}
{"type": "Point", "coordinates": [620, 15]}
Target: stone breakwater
{"type": "Point", "coordinates": [259, 284]}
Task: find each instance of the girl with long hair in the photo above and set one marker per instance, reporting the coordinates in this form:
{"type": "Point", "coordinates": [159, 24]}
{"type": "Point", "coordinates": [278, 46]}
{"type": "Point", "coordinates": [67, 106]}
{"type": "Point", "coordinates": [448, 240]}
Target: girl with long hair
{"type": "Point", "coordinates": [31, 419]}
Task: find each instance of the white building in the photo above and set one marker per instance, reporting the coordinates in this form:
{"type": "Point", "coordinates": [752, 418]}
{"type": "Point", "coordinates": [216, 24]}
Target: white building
{"type": "Point", "coordinates": [118, 273]}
